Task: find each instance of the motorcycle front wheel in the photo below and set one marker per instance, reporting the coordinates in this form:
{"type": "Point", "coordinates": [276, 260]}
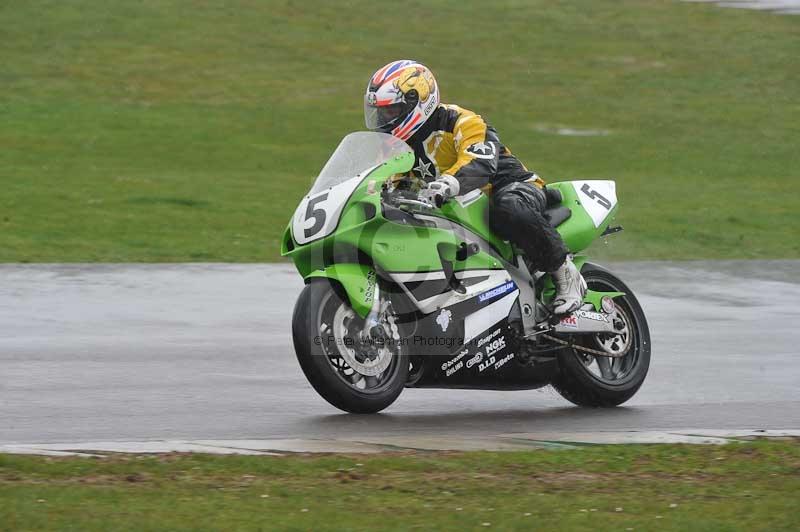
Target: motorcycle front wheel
{"type": "Point", "coordinates": [597, 381]}
{"type": "Point", "coordinates": [357, 376]}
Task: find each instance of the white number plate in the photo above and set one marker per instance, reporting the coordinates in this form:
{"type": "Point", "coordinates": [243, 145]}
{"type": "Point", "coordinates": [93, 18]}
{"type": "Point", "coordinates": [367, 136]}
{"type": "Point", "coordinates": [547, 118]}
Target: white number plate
{"type": "Point", "coordinates": [318, 214]}
{"type": "Point", "coordinates": [597, 198]}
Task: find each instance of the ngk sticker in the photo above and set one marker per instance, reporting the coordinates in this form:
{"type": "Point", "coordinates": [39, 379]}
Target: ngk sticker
{"type": "Point", "coordinates": [495, 345]}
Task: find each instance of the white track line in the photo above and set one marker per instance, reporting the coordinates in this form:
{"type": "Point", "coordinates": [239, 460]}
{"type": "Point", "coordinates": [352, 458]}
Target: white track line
{"type": "Point", "coordinates": [500, 442]}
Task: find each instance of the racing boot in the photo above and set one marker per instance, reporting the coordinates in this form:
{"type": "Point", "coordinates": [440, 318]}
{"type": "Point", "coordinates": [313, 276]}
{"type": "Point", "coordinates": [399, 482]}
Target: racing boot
{"type": "Point", "coordinates": [570, 288]}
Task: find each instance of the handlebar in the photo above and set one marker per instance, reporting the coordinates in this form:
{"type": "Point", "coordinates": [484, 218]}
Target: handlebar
{"type": "Point", "coordinates": [413, 203]}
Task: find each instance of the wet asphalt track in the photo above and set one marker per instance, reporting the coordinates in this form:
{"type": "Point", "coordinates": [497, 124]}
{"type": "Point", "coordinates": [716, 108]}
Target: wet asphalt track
{"type": "Point", "coordinates": [116, 352]}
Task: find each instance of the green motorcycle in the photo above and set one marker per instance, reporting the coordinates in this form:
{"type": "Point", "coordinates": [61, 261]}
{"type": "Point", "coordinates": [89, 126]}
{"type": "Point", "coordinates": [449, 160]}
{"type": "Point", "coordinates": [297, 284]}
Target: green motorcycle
{"type": "Point", "coordinates": [401, 293]}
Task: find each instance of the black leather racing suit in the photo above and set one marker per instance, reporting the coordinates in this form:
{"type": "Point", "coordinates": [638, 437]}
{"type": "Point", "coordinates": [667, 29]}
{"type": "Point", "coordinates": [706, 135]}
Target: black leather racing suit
{"type": "Point", "coordinates": [459, 143]}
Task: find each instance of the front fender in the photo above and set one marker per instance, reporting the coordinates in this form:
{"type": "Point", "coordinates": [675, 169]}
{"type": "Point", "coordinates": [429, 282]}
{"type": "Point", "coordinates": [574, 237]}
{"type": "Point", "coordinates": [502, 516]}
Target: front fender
{"type": "Point", "coordinates": [358, 281]}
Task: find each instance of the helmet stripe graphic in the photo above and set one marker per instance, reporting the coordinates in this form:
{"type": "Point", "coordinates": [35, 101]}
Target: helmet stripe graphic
{"type": "Point", "coordinates": [413, 129]}
{"type": "Point", "coordinates": [396, 67]}
{"type": "Point", "coordinates": [376, 79]}
{"type": "Point", "coordinates": [405, 121]}
{"type": "Point", "coordinates": [392, 76]}
{"type": "Point", "coordinates": [381, 76]}
{"type": "Point", "coordinates": [407, 129]}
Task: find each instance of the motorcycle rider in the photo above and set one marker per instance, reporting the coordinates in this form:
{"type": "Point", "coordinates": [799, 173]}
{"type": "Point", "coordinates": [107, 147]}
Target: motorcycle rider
{"type": "Point", "coordinates": [457, 152]}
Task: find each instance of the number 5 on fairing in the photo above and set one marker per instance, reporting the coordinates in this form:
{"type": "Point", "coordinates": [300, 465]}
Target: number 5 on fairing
{"type": "Point", "coordinates": [317, 214]}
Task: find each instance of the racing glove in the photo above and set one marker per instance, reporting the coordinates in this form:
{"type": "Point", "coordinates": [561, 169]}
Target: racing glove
{"type": "Point", "coordinates": [440, 190]}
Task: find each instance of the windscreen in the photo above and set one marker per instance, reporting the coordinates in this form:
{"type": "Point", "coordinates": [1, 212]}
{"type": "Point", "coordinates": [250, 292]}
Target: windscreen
{"type": "Point", "coordinates": [356, 153]}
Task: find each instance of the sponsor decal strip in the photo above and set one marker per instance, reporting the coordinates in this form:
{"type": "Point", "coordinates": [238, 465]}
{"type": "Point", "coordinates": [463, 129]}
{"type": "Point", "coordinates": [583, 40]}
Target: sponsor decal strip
{"type": "Point", "coordinates": [497, 291]}
{"type": "Point", "coordinates": [502, 362]}
{"type": "Point", "coordinates": [596, 316]}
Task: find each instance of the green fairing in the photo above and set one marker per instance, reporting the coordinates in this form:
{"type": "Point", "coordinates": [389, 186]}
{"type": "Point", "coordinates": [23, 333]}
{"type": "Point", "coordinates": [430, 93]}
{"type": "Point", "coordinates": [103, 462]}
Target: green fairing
{"type": "Point", "coordinates": [392, 246]}
{"type": "Point", "coordinates": [475, 218]}
{"type": "Point", "coordinates": [396, 247]}
{"type": "Point", "coordinates": [595, 298]}
{"type": "Point", "coordinates": [353, 228]}
{"type": "Point", "coordinates": [578, 232]}
{"type": "Point", "coordinates": [357, 280]}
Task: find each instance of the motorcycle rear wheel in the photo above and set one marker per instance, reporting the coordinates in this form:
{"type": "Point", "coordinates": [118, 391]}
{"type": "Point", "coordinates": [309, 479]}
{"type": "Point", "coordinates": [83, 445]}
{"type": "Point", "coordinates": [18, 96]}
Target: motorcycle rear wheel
{"type": "Point", "coordinates": [594, 381]}
{"type": "Point", "coordinates": [325, 332]}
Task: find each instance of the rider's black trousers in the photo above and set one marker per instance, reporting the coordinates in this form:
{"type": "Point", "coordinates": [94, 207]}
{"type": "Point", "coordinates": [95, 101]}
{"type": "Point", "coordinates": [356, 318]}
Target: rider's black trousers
{"type": "Point", "coordinates": [516, 214]}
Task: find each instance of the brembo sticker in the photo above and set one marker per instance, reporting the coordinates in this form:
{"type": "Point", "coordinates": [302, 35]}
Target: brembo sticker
{"type": "Point", "coordinates": [450, 363]}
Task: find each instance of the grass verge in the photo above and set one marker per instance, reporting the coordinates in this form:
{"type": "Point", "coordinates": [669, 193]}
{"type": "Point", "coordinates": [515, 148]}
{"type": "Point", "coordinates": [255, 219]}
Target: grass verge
{"type": "Point", "coordinates": [162, 130]}
{"type": "Point", "coordinates": [740, 486]}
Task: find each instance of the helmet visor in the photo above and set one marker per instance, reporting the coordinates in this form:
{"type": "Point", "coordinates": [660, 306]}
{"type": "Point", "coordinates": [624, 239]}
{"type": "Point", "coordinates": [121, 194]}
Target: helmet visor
{"type": "Point", "coordinates": [384, 117]}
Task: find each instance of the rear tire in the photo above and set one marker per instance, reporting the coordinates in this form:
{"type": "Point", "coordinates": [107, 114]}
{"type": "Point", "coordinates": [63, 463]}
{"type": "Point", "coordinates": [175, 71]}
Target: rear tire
{"type": "Point", "coordinates": [577, 383]}
{"type": "Point", "coordinates": [321, 360]}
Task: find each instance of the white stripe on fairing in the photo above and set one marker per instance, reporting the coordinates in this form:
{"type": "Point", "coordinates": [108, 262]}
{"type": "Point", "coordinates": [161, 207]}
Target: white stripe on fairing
{"type": "Point", "coordinates": [422, 276]}
{"type": "Point", "coordinates": [432, 276]}
{"type": "Point", "coordinates": [481, 320]}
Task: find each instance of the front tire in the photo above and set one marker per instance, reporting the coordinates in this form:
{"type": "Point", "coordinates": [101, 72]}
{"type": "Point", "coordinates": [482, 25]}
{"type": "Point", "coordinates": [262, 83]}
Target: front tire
{"type": "Point", "coordinates": [325, 332]}
{"type": "Point", "coordinates": [595, 381]}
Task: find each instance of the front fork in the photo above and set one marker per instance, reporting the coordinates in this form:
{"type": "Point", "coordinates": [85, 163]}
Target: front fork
{"type": "Point", "coordinates": [372, 323]}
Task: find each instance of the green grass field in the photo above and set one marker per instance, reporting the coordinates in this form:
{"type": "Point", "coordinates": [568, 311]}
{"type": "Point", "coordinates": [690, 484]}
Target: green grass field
{"type": "Point", "coordinates": [750, 486]}
{"type": "Point", "coordinates": [161, 130]}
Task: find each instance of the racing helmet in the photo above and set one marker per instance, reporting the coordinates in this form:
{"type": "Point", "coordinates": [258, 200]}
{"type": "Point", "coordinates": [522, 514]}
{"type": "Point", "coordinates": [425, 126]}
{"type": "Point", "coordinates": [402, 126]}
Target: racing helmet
{"type": "Point", "coordinates": [400, 97]}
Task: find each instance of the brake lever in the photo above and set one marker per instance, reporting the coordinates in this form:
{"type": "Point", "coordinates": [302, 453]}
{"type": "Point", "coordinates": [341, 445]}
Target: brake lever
{"type": "Point", "coordinates": [414, 203]}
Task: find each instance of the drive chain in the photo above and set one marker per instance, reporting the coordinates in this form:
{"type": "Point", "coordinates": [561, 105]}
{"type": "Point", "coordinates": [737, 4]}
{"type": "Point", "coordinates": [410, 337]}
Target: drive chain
{"type": "Point", "coordinates": [589, 350]}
